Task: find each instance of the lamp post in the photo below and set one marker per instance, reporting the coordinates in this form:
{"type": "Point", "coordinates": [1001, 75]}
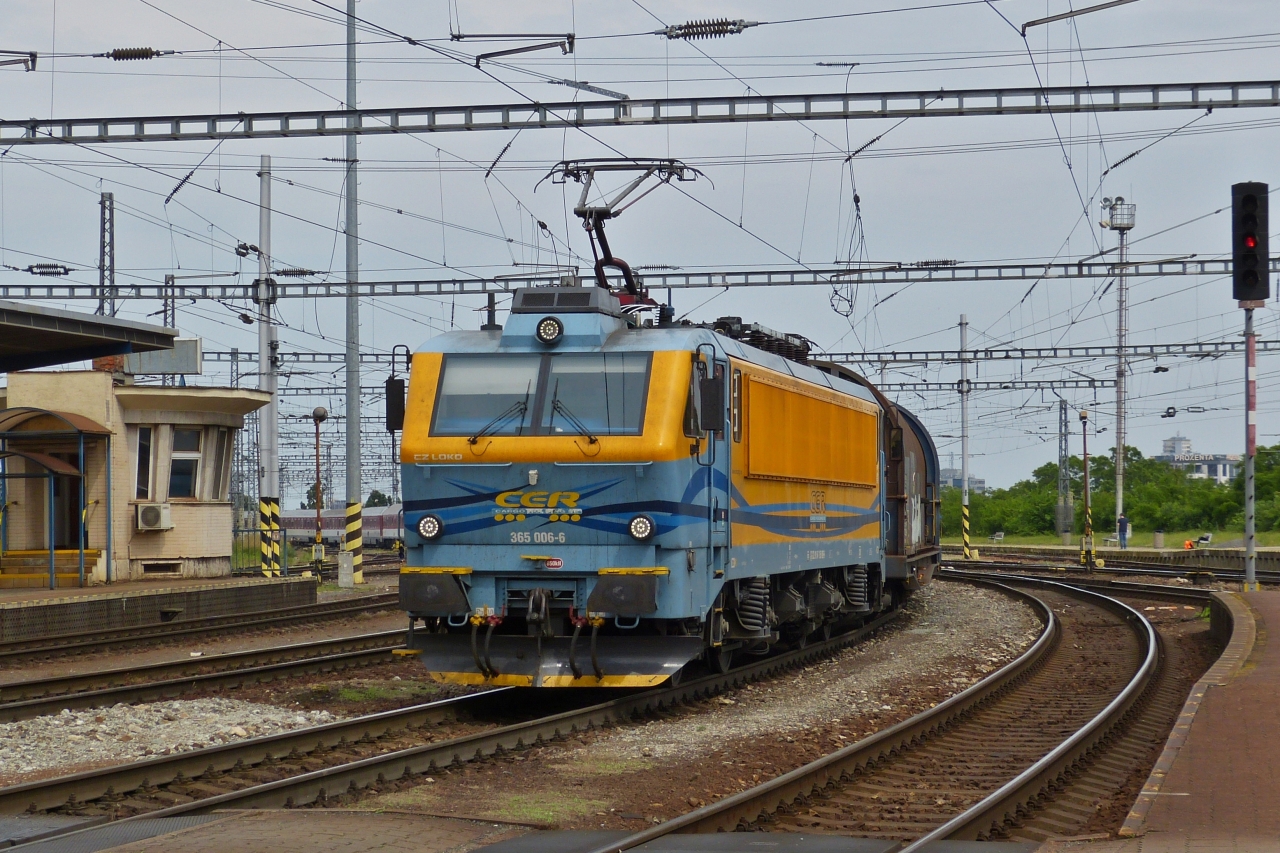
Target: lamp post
{"type": "Point", "coordinates": [1120, 217]}
{"type": "Point", "coordinates": [1086, 548]}
{"type": "Point", "coordinates": [318, 414]}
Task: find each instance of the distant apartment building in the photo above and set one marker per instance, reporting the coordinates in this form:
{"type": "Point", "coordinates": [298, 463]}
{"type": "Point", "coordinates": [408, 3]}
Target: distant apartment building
{"type": "Point", "coordinates": [1220, 467]}
{"type": "Point", "coordinates": [954, 477]}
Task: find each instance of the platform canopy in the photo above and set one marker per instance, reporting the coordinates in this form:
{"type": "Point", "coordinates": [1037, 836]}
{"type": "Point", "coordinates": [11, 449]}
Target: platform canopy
{"type": "Point", "coordinates": [35, 336]}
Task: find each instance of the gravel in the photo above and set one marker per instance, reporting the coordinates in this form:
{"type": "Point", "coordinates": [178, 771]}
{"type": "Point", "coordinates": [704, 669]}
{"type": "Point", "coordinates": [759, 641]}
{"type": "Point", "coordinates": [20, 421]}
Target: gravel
{"type": "Point", "coordinates": [951, 636]}
{"type": "Point", "coordinates": [77, 740]}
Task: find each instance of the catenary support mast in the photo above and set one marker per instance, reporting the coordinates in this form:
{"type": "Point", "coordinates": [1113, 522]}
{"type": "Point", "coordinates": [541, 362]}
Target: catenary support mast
{"type": "Point", "coordinates": [107, 256]}
{"type": "Point", "coordinates": [268, 364]}
{"type": "Point", "coordinates": [354, 532]}
{"type": "Point", "coordinates": [964, 433]}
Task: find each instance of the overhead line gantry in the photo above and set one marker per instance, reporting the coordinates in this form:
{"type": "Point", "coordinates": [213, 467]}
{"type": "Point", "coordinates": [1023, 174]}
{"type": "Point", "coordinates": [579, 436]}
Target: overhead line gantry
{"type": "Point", "coordinates": [921, 272]}
{"type": "Point", "coordinates": [646, 111]}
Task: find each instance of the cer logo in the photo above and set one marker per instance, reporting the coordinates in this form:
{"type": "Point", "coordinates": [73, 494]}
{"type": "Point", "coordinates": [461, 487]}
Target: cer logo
{"type": "Point", "coordinates": [520, 498]}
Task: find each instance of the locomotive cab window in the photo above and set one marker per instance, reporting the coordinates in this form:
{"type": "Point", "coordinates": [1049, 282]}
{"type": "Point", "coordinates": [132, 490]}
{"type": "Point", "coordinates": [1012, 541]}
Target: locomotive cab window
{"type": "Point", "coordinates": [603, 392]}
{"type": "Point", "coordinates": [565, 394]}
{"type": "Point", "coordinates": [693, 403]}
{"type": "Point", "coordinates": [489, 393]}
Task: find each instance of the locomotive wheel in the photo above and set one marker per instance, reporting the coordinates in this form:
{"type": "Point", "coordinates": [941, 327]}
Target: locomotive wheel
{"type": "Point", "coordinates": [719, 659]}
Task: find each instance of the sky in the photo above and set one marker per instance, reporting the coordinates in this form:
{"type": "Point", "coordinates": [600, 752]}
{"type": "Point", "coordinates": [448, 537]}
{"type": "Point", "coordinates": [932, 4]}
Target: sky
{"type": "Point", "coordinates": [771, 195]}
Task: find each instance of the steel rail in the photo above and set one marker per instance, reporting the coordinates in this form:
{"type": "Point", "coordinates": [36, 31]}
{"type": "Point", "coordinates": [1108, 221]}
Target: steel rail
{"type": "Point", "coordinates": [919, 272]}
{"type": "Point", "coordinates": [747, 806]}
{"type": "Point", "coordinates": [640, 112]}
{"type": "Point", "coordinates": [988, 816]}
{"type": "Point", "coordinates": [317, 785]}
{"type": "Point", "coordinates": [51, 695]}
{"type": "Point", "coordinates": [60, 643]}
{"type": "Point", "coordinates": [91, 785]}
{"type": "Point", "coordinates": [1118, 587]}
{"type": "Point", "coordinates": [1123, 567]}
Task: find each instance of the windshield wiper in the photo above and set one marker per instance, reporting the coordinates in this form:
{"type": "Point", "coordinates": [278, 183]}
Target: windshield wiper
{"type": "Point", "coordinates": [519, 407]}
{"type": "Point", "coordinates": [558, 408]}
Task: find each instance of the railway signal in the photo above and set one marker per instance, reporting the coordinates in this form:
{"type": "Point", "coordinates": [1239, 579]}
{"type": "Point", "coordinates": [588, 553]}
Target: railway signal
{"type": "Point", "coordinates": [1250, 277]}
{"type": "Point", "coordinates": [1251, 286]}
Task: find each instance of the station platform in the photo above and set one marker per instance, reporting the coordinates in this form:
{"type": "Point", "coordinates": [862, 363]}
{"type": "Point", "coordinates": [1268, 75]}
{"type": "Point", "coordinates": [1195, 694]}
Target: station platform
{"type": "Point", "coordinates": [1216, 787]}
{"type": "Point", "coordinates": [30, 614]}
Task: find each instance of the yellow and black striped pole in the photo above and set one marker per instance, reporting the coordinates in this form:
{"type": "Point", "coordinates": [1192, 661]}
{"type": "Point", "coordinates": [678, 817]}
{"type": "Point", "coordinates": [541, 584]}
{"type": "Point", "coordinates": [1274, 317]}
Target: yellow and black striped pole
{"type": "Point", "coordinates": [964, 529]}
{"type": "Point", "coordinates": [355, 541]}
{"type": "Point", "coordinates": [264, 534]}
{"type": "Point", "coordinates": [276, 561]}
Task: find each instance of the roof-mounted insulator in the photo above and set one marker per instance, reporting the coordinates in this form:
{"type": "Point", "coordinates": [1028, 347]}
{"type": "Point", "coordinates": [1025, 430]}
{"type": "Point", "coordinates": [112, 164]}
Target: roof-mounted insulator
{"type": "Point", "coordinates": [121, 54]}
{"type": "Point", "coordinates": [49, 269]}
{"type": "Point", "coordinates": [706, 29]}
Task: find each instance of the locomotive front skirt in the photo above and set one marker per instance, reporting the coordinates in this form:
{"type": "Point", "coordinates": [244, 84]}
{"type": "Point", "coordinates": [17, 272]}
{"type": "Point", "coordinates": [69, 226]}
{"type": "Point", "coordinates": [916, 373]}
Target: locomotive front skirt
{"type": "Point", "coordinates": [591, 503]}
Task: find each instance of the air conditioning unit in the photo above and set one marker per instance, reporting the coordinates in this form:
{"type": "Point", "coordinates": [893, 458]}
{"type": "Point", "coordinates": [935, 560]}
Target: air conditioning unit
{"type": "Point", "coordinates": [154, 517]}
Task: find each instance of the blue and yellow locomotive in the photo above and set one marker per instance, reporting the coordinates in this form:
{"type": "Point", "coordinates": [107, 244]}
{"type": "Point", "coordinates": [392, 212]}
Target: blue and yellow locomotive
{"type": "Point", "coordinates": [591, 502]}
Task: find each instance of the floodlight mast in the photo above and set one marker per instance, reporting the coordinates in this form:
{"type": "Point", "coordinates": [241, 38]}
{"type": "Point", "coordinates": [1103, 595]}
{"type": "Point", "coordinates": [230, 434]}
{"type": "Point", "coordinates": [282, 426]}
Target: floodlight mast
{"type": "Point", "coordinates": [594, 215]}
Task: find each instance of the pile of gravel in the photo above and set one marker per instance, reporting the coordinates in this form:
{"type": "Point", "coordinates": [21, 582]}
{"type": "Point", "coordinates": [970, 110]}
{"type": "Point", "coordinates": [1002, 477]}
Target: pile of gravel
{"type": "Point", "coordinates": [78, 740]}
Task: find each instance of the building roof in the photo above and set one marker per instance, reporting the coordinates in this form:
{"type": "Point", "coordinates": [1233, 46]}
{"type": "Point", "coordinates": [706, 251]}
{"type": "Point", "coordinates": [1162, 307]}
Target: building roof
{"type": "Point", "coordinates": [24, 419]}
{"type": "Point", "coordinates": [35, 336]}
{"type": "Point", "coordinates": [234, 401]}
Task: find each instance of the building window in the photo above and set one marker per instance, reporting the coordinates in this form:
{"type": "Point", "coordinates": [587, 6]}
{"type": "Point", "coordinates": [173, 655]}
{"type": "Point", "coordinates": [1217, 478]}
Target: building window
{"type": "Point", "coordinates": [220, 466]}
{"type": "Point", "coordinates": [185, 465]}
{"type": "Point", "coordinates": [143, 492]}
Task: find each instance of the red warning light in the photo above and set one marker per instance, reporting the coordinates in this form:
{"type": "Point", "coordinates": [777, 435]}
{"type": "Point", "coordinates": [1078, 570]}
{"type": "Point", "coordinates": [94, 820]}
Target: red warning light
{"type": "Point", "coordinates": [1250, 241]}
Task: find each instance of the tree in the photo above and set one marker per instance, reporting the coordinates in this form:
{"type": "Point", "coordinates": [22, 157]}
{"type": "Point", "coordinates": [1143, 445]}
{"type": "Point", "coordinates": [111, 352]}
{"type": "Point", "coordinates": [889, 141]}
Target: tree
{"type": "Point", "coordinates": [377, 498]}
{"type": "Point", "coordinates": [310, 502]}
{"type": "Point", "coordinates": [1157, 497]}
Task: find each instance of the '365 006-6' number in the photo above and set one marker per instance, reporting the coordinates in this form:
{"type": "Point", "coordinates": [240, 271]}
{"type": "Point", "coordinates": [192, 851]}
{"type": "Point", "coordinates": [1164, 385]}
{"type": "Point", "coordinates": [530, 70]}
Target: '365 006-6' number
{"type": "Point", "coordinates": [547, 537]}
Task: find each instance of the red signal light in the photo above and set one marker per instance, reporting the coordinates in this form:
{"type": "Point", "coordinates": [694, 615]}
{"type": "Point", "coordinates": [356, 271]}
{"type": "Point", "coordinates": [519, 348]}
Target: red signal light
{"type": "Point", "coordinates": [1250, 241]}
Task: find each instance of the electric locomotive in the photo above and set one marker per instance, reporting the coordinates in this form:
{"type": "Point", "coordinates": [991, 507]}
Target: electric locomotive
{"type": "Point", "coordinates": [592, 502]}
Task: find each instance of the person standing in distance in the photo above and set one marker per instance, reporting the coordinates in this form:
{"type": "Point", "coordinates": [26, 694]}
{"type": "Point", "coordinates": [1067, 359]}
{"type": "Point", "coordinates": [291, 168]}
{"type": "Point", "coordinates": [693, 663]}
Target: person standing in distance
{"type": "Point", "coordinates": [1122, 530]}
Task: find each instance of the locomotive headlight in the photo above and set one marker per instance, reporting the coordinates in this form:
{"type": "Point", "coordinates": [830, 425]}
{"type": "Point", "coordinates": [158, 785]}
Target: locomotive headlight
{"type": "Point", "coordinates": [641, 528]}
{"type": "Point", "coordinates": [549, 330]}
{"type": "Point", "coordinates": [430, 527]}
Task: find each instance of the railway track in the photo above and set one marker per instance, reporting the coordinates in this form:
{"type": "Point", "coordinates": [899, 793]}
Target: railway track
{"type": "Point", "coordinates": [1045, 778]}
{"type": "Point", "coordinates": [1022, 755]}
{"type": "Point", "coordinates": [1118, 567]}
{"type": "Point", "coordinates": [99, 688]}
{"type": "Point", "coordinates": [88, 641]}
{"type": "Point", "coordinates": [308, 766]}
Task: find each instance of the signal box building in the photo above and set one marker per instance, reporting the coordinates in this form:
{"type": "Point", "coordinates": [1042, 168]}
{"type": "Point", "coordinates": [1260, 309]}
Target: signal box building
{"type": "Point", "coordinates": [104, 480]}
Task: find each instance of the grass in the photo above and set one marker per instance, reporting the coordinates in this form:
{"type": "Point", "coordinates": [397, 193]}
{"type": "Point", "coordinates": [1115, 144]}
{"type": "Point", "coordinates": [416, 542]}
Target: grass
{"type": "Point", "coordinates": [396, 690]}
{"type": "Point", "coordinates": [546, 808]}
{"type": "Point", "coordinates": [596, 766]}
